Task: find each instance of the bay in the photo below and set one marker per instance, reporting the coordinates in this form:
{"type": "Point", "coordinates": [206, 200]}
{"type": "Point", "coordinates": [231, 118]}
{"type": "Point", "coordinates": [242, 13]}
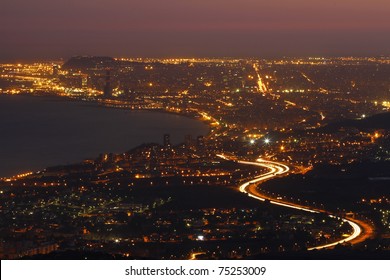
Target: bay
{"type": "Point", "coordinates": [37, 132]}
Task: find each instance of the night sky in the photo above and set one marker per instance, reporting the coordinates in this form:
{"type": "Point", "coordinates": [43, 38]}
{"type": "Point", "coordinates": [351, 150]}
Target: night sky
{"type": "Point", "coordinates": [45, 29]}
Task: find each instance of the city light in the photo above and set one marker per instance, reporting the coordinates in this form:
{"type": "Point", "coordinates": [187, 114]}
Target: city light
{"type": "Point", "coordinates": [288, 132]}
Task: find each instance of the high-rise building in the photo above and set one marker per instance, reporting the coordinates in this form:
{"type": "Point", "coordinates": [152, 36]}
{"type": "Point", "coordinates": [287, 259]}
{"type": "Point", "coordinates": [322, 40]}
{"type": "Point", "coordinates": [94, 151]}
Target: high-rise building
{"type": "Point", "coordinates": [55, 70]}
{"type": "Point", "coordinates": [107, 92]}
{"type": "Point", "coordinates": [84, 80]}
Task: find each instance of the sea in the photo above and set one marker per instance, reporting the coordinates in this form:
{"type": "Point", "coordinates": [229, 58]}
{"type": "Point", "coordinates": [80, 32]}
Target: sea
{"type": "Point", "coordinates": [37, 132]}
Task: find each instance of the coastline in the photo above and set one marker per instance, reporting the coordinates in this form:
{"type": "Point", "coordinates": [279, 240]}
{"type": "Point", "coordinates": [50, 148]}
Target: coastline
{"type": "Point", "coordinates": [152, 121]}
{"type": "Point", "coordinates": [100, 103]}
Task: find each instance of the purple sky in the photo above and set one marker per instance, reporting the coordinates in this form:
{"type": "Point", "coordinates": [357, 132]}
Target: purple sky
{"type": "Point", "coordinates": [193, 28]}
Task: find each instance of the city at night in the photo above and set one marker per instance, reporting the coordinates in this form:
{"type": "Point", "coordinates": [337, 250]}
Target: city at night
{"type": "Point", "coordinates": [195, 130]}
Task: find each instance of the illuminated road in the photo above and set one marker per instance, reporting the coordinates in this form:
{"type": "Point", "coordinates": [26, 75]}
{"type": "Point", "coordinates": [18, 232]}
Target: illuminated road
{"type": "Point", "coordinates": [322, 90]}
{"type": "Point", "coordinates": [260, 84]}
{"type": "Point", "coordinates": [194, 255]}
{"type": "Point", "coordinates": [360, 230]}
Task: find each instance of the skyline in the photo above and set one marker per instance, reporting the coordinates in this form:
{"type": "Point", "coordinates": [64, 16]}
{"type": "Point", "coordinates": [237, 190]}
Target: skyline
{"type": "Point", "coordinates": [47, 30]}
{"type": "Point", "coordinates": [195, 130]}
{"type": "Point", "coordinates": [309, 137]}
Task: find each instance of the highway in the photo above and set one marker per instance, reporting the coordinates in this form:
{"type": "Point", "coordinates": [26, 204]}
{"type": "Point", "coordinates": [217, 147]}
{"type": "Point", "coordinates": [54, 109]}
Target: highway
{"type": "Point", "coordinates": [277, 169]}
{"type": "Point", "coordinates": [260, 84]}
{"type": "Point", "coordinates": [193, 256]}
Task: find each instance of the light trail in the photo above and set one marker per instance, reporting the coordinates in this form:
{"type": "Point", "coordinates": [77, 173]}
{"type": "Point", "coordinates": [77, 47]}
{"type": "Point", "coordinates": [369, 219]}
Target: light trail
{"type": "Point", "coordinates": [356, 232]}
{"type": "Point", "coordinates": [194, 255]}
{"type": "Point", "coordinates": [277, 168]}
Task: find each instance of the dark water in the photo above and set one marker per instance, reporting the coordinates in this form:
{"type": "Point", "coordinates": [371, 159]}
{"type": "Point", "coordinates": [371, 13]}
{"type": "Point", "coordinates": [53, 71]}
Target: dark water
{"type": "Point", "coordinates": [37, 132]}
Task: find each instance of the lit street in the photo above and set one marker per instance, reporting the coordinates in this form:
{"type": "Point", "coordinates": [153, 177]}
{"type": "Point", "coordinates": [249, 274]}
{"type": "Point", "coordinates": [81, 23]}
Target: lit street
{"type": "Point", "coordinates": [361, 230]}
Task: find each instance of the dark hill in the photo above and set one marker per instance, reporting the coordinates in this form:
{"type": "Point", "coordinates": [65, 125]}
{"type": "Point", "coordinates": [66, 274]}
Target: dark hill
{"type": "Point", "coordinates": [88, 62]}
{"type": "Point", "coordinates": [380, 121]}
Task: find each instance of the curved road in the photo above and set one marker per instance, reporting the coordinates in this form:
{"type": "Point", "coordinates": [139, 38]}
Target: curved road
{"type": "Point", "coordinates": [361, 230]}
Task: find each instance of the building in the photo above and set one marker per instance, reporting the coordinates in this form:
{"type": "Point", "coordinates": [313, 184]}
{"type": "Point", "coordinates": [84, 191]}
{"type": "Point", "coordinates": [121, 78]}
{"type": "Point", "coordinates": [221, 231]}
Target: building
{"type": "Point", "coordinates": [107, 91]}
